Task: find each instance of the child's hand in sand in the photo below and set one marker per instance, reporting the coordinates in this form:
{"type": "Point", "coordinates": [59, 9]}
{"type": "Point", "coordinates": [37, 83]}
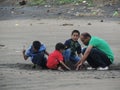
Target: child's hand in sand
{"type": "Point", "coordinates": [78, 66]}
{"type": "Point", "coordinates": [69, 69]}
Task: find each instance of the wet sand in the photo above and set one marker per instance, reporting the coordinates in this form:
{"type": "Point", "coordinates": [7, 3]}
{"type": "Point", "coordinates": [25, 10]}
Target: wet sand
{"type": "Point", "coordinates": [15, 73]}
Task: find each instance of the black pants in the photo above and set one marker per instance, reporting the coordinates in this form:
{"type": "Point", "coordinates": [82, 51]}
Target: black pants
{"type": "Point", "coordinates": [97, 58]}
{"type": "Point", "coordinates": [39, 59]}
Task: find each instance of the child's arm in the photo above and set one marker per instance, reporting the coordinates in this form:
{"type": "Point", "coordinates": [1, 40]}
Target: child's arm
{"type": "Point", "coordinates": [65, 65]}
{"type": "Point", "coordinates": [24, 56]}
{"type": "Point", "coordinates": [46, 53]}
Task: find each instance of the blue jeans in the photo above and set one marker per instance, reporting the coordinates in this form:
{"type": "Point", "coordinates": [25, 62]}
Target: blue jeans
{"type": "Point", "coordinates": [67, 56]}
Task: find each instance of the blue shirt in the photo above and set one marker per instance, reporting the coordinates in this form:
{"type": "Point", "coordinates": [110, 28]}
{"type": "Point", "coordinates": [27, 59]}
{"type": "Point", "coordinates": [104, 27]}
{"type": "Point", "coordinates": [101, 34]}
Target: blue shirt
{"type": "Point", "coordinates": [30, 53]}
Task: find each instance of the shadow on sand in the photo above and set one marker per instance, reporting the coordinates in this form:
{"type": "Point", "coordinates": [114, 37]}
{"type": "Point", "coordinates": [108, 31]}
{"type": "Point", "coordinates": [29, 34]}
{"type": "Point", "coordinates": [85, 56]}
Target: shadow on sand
{"type": "Point", "coordinates": [30, 66]}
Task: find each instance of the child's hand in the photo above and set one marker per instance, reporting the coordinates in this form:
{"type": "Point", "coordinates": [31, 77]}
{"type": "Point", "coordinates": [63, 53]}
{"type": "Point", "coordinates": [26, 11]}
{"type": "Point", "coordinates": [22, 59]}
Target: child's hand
{"type": "Point", "coordinates": [78, 66]}
{"type": "Point", "coordinates": [23, 50]}
{"type": "Point", "coordinates": [69, 69]}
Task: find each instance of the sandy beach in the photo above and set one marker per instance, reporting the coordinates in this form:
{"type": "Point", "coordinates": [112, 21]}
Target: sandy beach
{"type": "Point", "coordinates": [17, 74]}
{"type": "Point", "coordinates": [21, 25]}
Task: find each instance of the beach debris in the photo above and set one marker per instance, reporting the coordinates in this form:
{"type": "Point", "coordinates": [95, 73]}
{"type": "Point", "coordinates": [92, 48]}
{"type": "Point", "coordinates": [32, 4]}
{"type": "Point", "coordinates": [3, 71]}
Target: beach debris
{"type": "Point", "coordinates": [30, 24]}
{"type": "Point", "coordinates": [2, 45]}
{"type": "Point", "coordinates": [48, 11]}
{"type": "Point", "coordinates": [47, 6]}
{"type": "Point", "coordinates": [13, 8]}
{"type": "Point", "coordinates": [33, 16]}
{"type": "Point", "coordinates": [94, 13]}
{"type": "Point", "coordinates": [12, 12]}
{"type": "Point", "coordinates": [65, 24]}
{"type": "Point", "coordinates": [16, 24]}
{"type": "Point", "coordinates": [59, 13]}
{"type": "Point", "coordinates": [97, 77]}
{"type": "Point", "coordinates": [116, 13]}
{"type": "Point", "coordinates": [22, 12]}
{"type": "Point", "coordinates": [69, 12]}
{"type": "Point", "coordinates": [76, 4]}
{"type": "Point", "coordinates": [84, 2]}
{"type": "Point", "coordinates": [77, 14]}
{"type": "Point", "coordinates": [23, 2]}
{"type": "Point", "coordinates": [1, 8]}
{"type": "Point", "coordinates": [118, 9]}
{"type": "Point", "coordinates": [20, 72]}
{"type": "Point", "coordinates": [72, 9]}
{"type": "Point", "coordinates": [101, 20]}
{"type": "Point", "coordinates": [41, 23]}
{"type": "Point", "coordinates": [17, 51]}
{"type": "Point", "coordinates": [89, 23]}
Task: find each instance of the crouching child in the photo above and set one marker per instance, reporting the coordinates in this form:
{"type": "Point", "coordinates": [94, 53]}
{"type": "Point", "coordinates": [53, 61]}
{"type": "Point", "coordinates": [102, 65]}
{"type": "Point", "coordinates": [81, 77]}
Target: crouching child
{"type": "Point", "coordinates": [55, 59]}
{"type": "Point", "coordinates": [36, 52]}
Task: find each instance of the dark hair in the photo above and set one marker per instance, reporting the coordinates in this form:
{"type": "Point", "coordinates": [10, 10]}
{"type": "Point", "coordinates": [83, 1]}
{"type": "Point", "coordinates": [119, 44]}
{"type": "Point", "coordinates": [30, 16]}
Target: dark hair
{"type": "Point", "coordinates": [36, 45]}
{"type": "Point", "coordinates": [85, 35]}
{"type": "Point", "coordinates": [60, 46]}
{"type": "Point", "coordinates": [75, 31]}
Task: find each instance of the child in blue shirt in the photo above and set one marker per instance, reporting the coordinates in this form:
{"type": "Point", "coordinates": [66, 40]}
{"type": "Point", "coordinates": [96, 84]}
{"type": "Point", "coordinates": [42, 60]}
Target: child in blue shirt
{"type": "Point", "coordinates": [36, 52]}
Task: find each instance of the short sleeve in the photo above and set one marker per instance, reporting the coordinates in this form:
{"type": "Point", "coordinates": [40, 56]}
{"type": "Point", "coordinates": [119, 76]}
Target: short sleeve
{"type": "Point", "coordinates": [42, 48]}
{"type": "Point", "coordinates": [67, 44]}
{"type": "Point", "coordinates": [93, 42]}
{"type": "Point", "coordinates": [60, 57]}
{"type": "Point", "coordinates": [28, 51]}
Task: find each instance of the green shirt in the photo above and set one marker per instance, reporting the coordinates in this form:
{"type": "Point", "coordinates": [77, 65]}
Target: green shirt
{"type": "Point", "coordinates": [102, 45]}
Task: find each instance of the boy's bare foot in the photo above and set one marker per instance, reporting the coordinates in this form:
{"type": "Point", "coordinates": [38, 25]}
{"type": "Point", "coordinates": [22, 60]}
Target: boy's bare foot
{"type": "Point", "coordinates": [60, 69]}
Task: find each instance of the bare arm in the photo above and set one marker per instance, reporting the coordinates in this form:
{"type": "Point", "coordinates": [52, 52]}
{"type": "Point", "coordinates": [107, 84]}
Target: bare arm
{"type": "Point", "coordinates": [64, 65]}
{"type": "Point", "coordinates": [24, 56]}
{"type": "Point", "coordinates": [83, 59]}
{"type": "Point", "coordinates": [46, 53]}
